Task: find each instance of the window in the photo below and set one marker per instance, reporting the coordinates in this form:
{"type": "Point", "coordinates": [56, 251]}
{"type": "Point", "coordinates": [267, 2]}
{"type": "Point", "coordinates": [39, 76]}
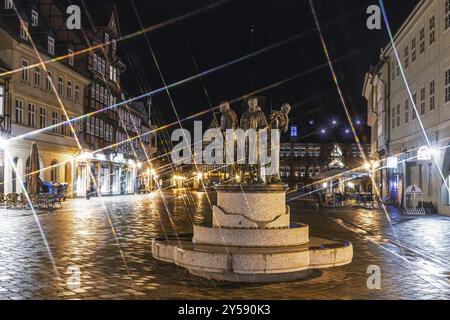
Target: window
{"type": "Point", "coordinates": [2, 100]}
{"type": "Point", "coordinates": [413, 49]}
{"type": "Point", "coordinates": [447, 14]}
{"type": "Point", "coordinates": [24, 72]}
{"type": "Point", "coordinates": [421, 176]}
{"type": "Point", "coordinates": [8, 4]}
{"type": "Point", "coordinates": [71, 57]}
{"type": "Point", "coordinates": [94, 62]}
{"type": "Point", "coordinates": [69, 90]}
{"type": "Point", "coordinates": [54, 121]}
{"type": "Point", "coordinates": [19, 111]}
{"type": "Point", "coordinates": [406, 111]}
{"type": "Point", "coordinates": [31, 115]}
{"type": "Point", "coordinates": [397, 70]}
{"type": "Point", "coordinates": [406, 57]}
{"type": "Point", "coordinates": [393, 119]}
{"type": "Point", "coordinates": [422, 101]}
{"type": "Point", "coordinates": [54, 171]}
{"type": "Point", "coordinates": [51, 45]}
{"type": "Point", "coordinates": [398, 116]}
{"type": "Point", "coordinates": [293, 131]}
{"type": "Point", "coordinates": [23, 29]}
{"type": "Point", "coordinates": [447, 86]}
{"type": "Point", "coordinates": [34, 18]}
{"type": "Point", "coordinates": [63, 125]}
{"type": "Point", "coordinates": [37, 77]}
{"type": "Point", "coordinates": [60, 85]}
{"type": "Point", "coordinates": [430, 179]}
{"type": "Point", "coordinates": [106, 38]}
{"type": "Point", "coordinates": [393, 70]}
{"type": "Point", "coordinates": [48, 80]}
{"type": "Point", "coordinates": [42, 117]}
{"type": "Point", "coordinates": [432, 99]}
{"type": "Point", "coordinates": [114, 46]}
{"type": "Point", "coordinates": [77, 93]}
{"type": "Point", "coordinates": [414, 114]}
{"type": "Point", "coordinates": [432, 24]}
{"type": "Point", "coordinates": [422, 41]}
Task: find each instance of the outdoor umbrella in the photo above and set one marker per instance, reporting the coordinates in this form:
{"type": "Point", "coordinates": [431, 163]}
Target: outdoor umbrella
{"type": "Point", "coordinates": [33, 183]}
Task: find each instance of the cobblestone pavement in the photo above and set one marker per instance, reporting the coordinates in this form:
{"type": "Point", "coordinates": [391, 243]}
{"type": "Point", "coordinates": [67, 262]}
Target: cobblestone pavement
{"type": "Point", "coordinates": [109, 243]}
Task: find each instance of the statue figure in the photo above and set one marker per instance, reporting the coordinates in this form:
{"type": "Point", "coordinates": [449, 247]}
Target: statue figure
{"type": "Point", "coordinates": [255, 119]}
{"type": "Point", "coordinates": [336, 158]}
{"type": "Point", "coordinates": [228, 121]}
{"type": "Point", "coordinates": [279, 120]}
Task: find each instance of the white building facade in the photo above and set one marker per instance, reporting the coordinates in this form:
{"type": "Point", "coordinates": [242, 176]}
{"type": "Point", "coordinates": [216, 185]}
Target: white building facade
{"type": "Point", "coordinates": [400, 130]}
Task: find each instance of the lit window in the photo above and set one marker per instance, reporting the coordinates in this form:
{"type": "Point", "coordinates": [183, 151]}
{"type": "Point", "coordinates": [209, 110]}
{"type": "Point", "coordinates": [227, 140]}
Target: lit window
{"type": "Point", "coordinates": [8, 4]}
{"type": "Point", "coordinates": [293, 131]}
{"type": "Point", "coordinates": [106, 38]}
{"type": "Point", "coordinates": [71, 57]}
{"type": "Point", "coordinates": [23, 30]}
{"type": "Point", "coordinates": [51, 45]}
{"type": "Point", "coordinates": [34, 18]}
{"type": "Point", "coordinates": [413, 49]}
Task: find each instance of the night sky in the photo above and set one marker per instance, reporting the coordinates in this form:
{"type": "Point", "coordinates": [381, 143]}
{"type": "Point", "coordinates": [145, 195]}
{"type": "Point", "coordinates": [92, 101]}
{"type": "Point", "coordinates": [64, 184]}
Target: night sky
{"type": "Point", "coordinates": [223, 34]}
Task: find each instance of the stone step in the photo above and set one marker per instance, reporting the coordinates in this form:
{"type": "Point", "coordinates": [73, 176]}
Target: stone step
{"type": "Point", "coordinates": [298, 234]}
{"type": "Point", "coordinates": [225, 262]}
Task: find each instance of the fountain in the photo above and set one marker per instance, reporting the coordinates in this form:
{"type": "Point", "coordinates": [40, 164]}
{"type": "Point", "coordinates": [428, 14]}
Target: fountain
{"type": "Point", "coordinates": [251, 238]}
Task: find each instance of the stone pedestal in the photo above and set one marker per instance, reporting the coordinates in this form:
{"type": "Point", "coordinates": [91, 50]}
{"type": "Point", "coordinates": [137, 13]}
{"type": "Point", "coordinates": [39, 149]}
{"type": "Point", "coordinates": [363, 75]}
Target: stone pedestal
{"type": "Point", "coordinates": [252, 240]}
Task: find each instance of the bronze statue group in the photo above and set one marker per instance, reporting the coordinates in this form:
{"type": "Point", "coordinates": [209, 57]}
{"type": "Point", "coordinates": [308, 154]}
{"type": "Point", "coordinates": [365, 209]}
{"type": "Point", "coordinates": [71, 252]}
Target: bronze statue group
{"type": "Point", "coordinates": [254, 119]}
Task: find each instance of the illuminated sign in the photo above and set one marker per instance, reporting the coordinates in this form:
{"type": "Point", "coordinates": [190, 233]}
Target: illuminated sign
{"type": "Point", "coordinates": [392, 162]}
{"type": "Point", "coordinates": [424, 153]}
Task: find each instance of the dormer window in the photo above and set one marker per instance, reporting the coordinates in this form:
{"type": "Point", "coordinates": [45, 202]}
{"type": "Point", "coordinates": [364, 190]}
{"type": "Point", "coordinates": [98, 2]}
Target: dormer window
{"type": "Point", "coordinates": [71, 57]}
{"type": "Point", "coordinates": [106, 38]}
{"type": "Point", "coordinates": [8, 4]}
{"type": "Point", "coordinates": [24, 30]}
{"type": "Point", "coordinates": [34, 18]}
{"type": "Point", "coordinates": [51, 45]}
{"type": "Point", "coordinates": [114, 45]}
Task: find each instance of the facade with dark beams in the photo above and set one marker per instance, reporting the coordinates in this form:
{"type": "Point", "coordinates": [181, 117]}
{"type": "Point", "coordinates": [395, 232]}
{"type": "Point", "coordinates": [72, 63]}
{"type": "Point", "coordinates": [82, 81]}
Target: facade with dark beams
{"type": "Point", "coordinates": [114, 156]}
{"type": "Point", "coordinates": [5, 119]}
{"type": "Point", "coordinates": [101, 160]}
{"type": "Point", "coordinates": [36, 112]}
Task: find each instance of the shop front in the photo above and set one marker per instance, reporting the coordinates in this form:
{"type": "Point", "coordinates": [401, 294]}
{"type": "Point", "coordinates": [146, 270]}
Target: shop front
{"type": "Point", "coordinates": [105, 175]}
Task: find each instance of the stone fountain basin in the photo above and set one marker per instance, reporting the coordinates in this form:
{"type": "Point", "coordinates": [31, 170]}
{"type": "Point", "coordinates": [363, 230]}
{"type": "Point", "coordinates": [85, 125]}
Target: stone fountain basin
{"type": "Point", "coordinates": [252, 264]}
{"type": "Point", "coordinates": [298, 234]}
